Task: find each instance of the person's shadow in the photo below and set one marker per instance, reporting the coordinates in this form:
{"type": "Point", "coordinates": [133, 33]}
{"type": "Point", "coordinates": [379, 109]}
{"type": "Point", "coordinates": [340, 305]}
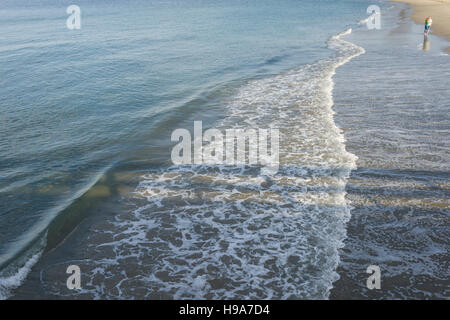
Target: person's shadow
{"type": "Point", "coordinates": [426, 43]}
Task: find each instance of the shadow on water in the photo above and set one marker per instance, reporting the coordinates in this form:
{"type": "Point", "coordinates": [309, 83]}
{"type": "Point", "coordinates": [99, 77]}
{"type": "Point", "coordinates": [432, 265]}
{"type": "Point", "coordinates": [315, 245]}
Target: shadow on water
{"type": "Point", "coordinates": [426, 43]}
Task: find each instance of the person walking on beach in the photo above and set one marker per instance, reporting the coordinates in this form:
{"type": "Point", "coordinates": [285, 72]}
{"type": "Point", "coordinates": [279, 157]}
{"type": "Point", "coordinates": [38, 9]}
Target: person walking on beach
{"type": "Point", "coordinates": [428, 23]}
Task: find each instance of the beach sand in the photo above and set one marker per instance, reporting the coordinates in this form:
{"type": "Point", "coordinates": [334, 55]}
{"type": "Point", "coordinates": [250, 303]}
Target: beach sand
{"type": "Point", "coordinates": [439, 10]}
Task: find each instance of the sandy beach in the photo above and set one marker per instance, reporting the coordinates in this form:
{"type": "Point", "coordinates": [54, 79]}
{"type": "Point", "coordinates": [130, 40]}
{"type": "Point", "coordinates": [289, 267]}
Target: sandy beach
{"type": "Point", "coordinates": [439, 10]}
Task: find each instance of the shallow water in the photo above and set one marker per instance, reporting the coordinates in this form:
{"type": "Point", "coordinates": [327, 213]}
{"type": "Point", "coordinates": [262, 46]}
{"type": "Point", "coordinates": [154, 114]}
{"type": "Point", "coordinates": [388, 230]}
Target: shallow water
{"type": "Point", "coordinates": [397, 122]}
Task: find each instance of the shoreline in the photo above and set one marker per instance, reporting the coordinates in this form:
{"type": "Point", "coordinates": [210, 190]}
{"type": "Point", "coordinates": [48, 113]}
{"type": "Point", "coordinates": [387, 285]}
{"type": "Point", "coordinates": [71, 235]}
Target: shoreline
{"type": "Point", "coordinates": [439, 10]}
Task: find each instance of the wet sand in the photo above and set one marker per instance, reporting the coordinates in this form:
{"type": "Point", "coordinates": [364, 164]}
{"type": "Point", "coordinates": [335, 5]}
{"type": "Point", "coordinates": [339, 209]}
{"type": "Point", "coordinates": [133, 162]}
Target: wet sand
{"type": "Point", "coordinates": [439, 10]}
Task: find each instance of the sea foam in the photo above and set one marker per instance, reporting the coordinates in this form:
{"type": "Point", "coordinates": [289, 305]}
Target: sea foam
{"type": "Point", "coordinates": [227, 232]}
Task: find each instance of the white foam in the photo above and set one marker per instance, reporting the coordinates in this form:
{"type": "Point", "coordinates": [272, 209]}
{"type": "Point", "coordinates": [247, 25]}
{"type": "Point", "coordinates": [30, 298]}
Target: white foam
{"type": "Point", "coordinates": [220, 232]}
{"type": "Point", "coordinates": [9, 283]}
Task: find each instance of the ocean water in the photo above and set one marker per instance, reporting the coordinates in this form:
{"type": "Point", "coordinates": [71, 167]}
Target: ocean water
{"type": "Point", "coordinates": [86, 176]}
